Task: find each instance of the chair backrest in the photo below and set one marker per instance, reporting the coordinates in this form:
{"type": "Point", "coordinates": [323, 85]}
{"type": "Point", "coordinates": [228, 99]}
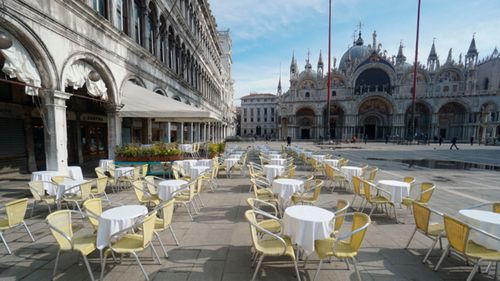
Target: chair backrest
{"type": "Point", "coordinates": [410, 180]}
{"type": "Point", "coordinates": [422, 215]}
{"type": "Point", "coordinates": [426, 191]}
{"type": "Point", "coordinates": [373, 174]}
{"type": "Point", "coordinates": [148, 228]}
{"type": "Point", "coordinates": [367, 190]}
{"type": "Point", "coordinates": [101, 183]}
{"type": "Point", "coordinates": [193, 185]}
{"type": "Point", "coordinates": [99, 171]}
{"type": "Point", "coordinates": [496, 207]}
{"type": "Point", "coordinates": [291, 171]}
{"type": "Point", "coordinates": [37, 190]}
{"type": "Point", "coordinates": [150, 183]}
{"type": "Point", "coordinates": [16, 210]}
{"type": "Point", "coordinates": [256, 204]}
{"type": "Point", "coordinates": [93, 207]}
{"type": "Point", "coordinates": [363, 170]}
{"type": "Point", "coordinates": [136, 174]}
{"type": "Point", "coordinates": [175, 172]}
{"type": "Point", "coordinates": [360, 223]}
{"type": "Point", "coordinates": [58, 179]}
{"type": "Point", "coordinates": [356, 185]}
{"type": "Point", "coordinates": [259, 246]}
{"type": "Point", "coordinates": [341, 210]}
{"type": "Point", "coordinates": [139, 190]}
{"type": "Point", "coordinates": [144, 170]}
{"type": "Point", "coordinates": [61, 221]}
{"type": "Point", "coordinates": [329, 171]}
{"type": "Point", "coordinates": [85, 188]}
{"type": "Point", "coordinates": [318, 184]}
{"type": "Point", "coordinates": [167, 212]}
{"type": "Point", "coordinates": [457, 233]}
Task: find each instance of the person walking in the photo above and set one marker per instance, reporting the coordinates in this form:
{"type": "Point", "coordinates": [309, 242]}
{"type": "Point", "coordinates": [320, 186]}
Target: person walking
{"type": "Point", "coordinates": [440, 140]}
{"type": "Point", "coordinates": [366, 138]}
{"type": "Point", "coordinates": [454, 143]}
{"type": "Point", "coordinates": [288, 141]}
{"type": "Point", "coordinates": [471, 141]}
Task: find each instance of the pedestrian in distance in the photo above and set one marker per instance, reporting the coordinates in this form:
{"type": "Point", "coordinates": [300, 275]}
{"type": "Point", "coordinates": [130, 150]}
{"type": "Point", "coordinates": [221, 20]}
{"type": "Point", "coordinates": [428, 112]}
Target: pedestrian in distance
{"type": "Point", "coordinates": [386, 139]}
{"type": "Point", "coordinates": [454, 143]}
{"type": "Point", "coordinates": [471, 141]}
{"type": "Point", "coordinates": [288, 141]}
{"type": "Point", "coordinates": [440, 140]}
{"type": "Point", "coordinates": [366, 138]}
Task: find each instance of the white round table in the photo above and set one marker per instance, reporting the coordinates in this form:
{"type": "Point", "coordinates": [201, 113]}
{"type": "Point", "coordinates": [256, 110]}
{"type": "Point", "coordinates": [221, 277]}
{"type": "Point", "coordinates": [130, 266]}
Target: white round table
{"type": "Point", "coordinates": [46, 176]}
{"type": "Point", "coordinates": [124, 172]}
{"type": "Point", "coordinates": [230, 162]}
{"type": "Point", "coordinates": [484, 220]}
{"type": "Point", "coordinates": [397, 189]}
{"type": "Point", "coordinates": [274, 156]}
{"type": "Point", "coordinates": [75, 172]}
{"type": "Point", "coordinates": [332, 162]}
{"type": "Point", "coordinates": [104, 163]}
{"type": "Point", "coordinates": [236, 155]}
{"type": "Point", "coordinates": [68, 186]}
{"type": "Point", "coordinates": [168, 188]}
{"type": "Point", "coordinates": [349, 171]}
{"type": "Point", "coordinates": [195, 171]}
{"type": "Point", "coordinates": [187, 164]}
{"type": "Point", "coordinates": [285, 188]}
{"type": "Point", "coordinates": [277, 161]}
{"type": "Point", "coordinates": [273, 171]}
{"type": "Point", "coordinates": [319, 158]}
{"type": "Point", "coordinates": [186, 147]}
{"type": "Point", "coordinates": [305, 224]}
{"type": "Point", "coordinates": [115, 220]}
{"type": "Point", "coordinates": [204, 162]}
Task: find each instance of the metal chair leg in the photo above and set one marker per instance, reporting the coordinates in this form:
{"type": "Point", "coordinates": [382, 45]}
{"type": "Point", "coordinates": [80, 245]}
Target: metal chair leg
{"type": "Point", "coordinates": [155, 252]}
{"type": "Point", "coordinates": [442, 258]}
{"type": "Point", "coordinates": [5, 243]}
{"type": "Point", "coordinates": [28, 230]}
{"type": "Point", "coordinates": [173, 234]}
{"type": "Point", "coordinates": [55, 265]}
{"type": "Point", "coordinates": [86, 261]}
{"type": "Point", "coordinates": [411, 238]}
{"type": "Point", "coordinates": [474, 270]}
{"type": "Point", "coordinates": [140, 265]}
{"type": "Point", "coordinates": [355, 263]}
{"type": "Point", "coordinates": [296, 269]}
{"type": "Point", "coordinates": [430, 250]}
{"type": "Point", "coordinates": [257, 268]}
{"type": "Point", "coordinates": [317, 270]}
{"type": "Point", "coordinates": [161, 244]}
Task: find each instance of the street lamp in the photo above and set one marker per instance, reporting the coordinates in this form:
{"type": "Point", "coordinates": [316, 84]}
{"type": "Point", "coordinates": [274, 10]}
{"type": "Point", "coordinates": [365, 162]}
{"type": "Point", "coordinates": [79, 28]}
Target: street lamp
{"type": "Point", "coordinates": [5, 41]}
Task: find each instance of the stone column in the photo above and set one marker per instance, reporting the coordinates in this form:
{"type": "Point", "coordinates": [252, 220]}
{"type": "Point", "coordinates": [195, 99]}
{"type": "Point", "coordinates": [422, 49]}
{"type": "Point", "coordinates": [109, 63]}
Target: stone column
{"type": "Point", "coordinates": [181, 132]}
{"type": "Point", "coordinates": [56, 138]}
{"type": "Point", "coordinates": [209, 132]}
{"type": "Point", "coordinates": [169, 134]}
{"type": "Point", "coordinates": [149, 123]}
{"type": "Point", "coordinates": [114, 131]}
{"type": "Point", "coordinates": [198, 132]}
{"type": "Point", "coordinates": [191, 132]}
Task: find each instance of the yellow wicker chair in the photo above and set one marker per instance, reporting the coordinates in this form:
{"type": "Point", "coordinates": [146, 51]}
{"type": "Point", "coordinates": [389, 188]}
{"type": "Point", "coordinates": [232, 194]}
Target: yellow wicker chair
{"type": "Point", "coordinates": [270, 222]}
{"type": "Point", "coordinates": [316, 166]}
{"type": "Point", "coordinates": [310, 196]}
{"type": "Point", "coordinates": [340, 211]}
{"type": "Point", "coordinates": [135, 242]}
{"type": "Point", "coordinates": [93, 209]}
{"type": "Point", "coordinates": [164, 222]}
{"type": "Point", "coordinates": [339, 178]}
{"type": "Point", "coordinates": [144, 170]}
{"type": "Point", "coordinates": [379, 198]}
{"type": "Point", "coordinates": [100, 187]}
{"type": "Point", "coordinates": [262, 191]}
{"type": "Point", "coordinates": [426, 191]}
{"type": "Point", "coordinates": [372, 174]}
{"type": "Point", "coordinates": [60, 179]}
{"type": "Point", "coordinates": [358, 191]}
{"type": "Point", "coordinates": [433, 230]}
{"type": "Point", "coordinates": [458, 241]}
{"type": "Point", "coordinates": [38, 191]}
{"type": "Point", "coordinates": [61, 227]}
{"type": "Point", "coordinates": [344, 246]}
{"type": "Point", "coordinates": [268, 243]}
{"type": "Point", "coordinates": [78, 198]}
{"type": "Point", "coordinates": [187, 199]}
{"type": "Point", "coordinates": [143, 195]}
{"type": "Point", "coordinates": [15, 212]}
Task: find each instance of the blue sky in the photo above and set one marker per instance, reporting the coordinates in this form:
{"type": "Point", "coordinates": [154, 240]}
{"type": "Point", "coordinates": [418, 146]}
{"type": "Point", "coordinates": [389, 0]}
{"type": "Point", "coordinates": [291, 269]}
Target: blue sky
{"type": "Point", "coordinates": [265, 33]}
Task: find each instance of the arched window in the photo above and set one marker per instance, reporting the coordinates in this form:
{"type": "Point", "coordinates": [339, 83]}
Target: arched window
{"type": "Point", "coordinates": [307, 94]}
{"type": "Point", "coordinates": [163, 40]}
{"type": "Point", "coordinates": [486, 84]}
{"type": "Point", "coordinates": [171, 47]}
{"type": "Point", "coordinates": [177, 98]}
{"type": "Point", "coordinates": [137, 22]}
{"type": "Point", "coordinates": [101, 7]}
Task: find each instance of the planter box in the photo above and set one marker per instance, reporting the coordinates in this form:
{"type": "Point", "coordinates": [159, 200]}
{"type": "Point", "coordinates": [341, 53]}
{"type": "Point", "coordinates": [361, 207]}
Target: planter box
{"type": "Point", "coordinates": [149, 158]}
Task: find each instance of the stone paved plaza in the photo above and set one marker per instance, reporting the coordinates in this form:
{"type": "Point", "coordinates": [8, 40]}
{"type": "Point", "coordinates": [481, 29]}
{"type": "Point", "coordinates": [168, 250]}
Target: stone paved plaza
{"type": "Point", "coordinates": [216, 245]}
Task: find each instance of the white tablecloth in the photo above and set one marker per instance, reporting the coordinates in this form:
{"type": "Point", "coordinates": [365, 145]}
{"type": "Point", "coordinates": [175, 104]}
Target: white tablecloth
{"type": "Point", "coordinates": [319, 158]}
{"type": "Point", "coordinates": [68, 186]}
{"type": "Point", "coordinates": [195, 171]}
{"type": "Point", "coordinates": [104, 164]}
{"type": "Point", "coordinates": [398, 189]}
{"type": "Point", "coordinates": [115, 220]}
{"type": "Point", "coordinates": [124, 172]}
{"type": "Point", "coordinates": [168, 188]}
{"type": "Point", "coordinates": [280, 162]}
{"type": "Point", "coordinates": [274, 156]}
{"type": "Point", "coordinates": [205, 162]}
{"type": "Point", "coordinates": [185, 147]}
{"type": "Point", "coordinates": [332, 162]}
{"type": "Point", "coordinates": [46, 176]}
{"type": "Point", "coordinates": [75, 172]}
{"type": "Point", "coordinates": [305, 224]}
{"type": "Point", "coordinates": [230, 162]}
{"type": "Point", "coordinates": [285, 188]}
{"type": "Point", "coordinates": [188, 164]}
{"type": "Point", "coordinates": [236, 155]}
{"type": "Point", "coordinates": [273, 171]}
{"type": "Point", "coordinates": [484, 220]}
{"type": "Point", "coordinates": [350, 171]}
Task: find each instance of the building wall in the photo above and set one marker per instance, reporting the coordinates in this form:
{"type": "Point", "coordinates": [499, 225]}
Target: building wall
{"type": "Point", "coordinates": [258, 115]}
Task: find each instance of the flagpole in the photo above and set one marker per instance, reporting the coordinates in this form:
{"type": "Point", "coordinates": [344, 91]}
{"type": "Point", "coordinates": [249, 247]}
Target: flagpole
{"type": "Point", "coordinates": [328, 133]}
{"type": "Point", "coordinates": [414, 88]}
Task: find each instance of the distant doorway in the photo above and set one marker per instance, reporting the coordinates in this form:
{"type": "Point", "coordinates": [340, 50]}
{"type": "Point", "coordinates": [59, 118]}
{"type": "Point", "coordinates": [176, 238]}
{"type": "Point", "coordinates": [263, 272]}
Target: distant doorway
{"type": "Point", "coordinates": [258, 131]}
{"type": "Point", "coordinates": [371, 131]}
{"type": "Point", "coordinates": [305, 133]}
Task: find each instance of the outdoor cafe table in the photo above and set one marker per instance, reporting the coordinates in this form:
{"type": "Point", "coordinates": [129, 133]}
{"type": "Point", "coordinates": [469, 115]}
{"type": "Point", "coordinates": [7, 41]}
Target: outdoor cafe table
{"type": "Point", "coordinates": [319, 158]}
{"type": "Point", "coordinates": [349, 171]}
{"type": "Point", "coordinates": [46, 176]}
{"type": "Point", "coordinates": [235, 155]}
{"type": "Point", "coordinates": [123, 172]}
{"type": "Point", "coordinates": [68, 186]}
{"type": "Point", "coordinates": [204, 162]}
{"type": "Point", "coordinates": [274, 156]}
{"type": "Point", "coordinates": [285, 188]}
{"type": "Point", "coordinates": [105, 163]}
{"type": "Point", "coordinates": [195, 171]}
{"type": "Point", "coordinates": [185, 147]}
{"type": "Point", "coordinates": [484, 220]}
{"type": "Point", "coordinates": [305, 224]}
{"type": "Point", "coordinates": [115, 220]}
{"type": "Point", "coordinates": [280, 162]}
{"type": "Point", "coordinates": [273, 171]}
{"type": "Point", "coordinates": [397, 189]}
{"type": "Point", "coordinates": [75, 172]}
{"type": "Point", "coordinates": [168, 188]}
{"type": "Point", "coordinates": [230, 162]}
{"type": "Point", "coordinates": [332, 162]}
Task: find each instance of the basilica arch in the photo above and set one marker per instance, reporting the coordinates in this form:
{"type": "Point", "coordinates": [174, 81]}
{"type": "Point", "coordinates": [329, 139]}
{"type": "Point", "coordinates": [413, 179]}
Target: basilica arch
{"type": "Point", "coordinates": [305, 123]}
{"type": "Point", "coordinates": [451, 120]}
{"type": "Point", "coordinates": [375, 118]}
{"type": "Point", "coordinates": [337, 121]}
{"type": "Point", "coordinates": [423, 119]}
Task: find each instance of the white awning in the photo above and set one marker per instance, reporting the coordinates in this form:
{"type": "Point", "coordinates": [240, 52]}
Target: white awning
{"type": "Point", "coordinates": [143, 103]}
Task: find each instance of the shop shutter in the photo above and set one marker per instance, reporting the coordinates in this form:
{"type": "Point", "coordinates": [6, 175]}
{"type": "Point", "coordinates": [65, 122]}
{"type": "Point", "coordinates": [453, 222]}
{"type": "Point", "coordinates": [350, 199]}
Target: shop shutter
{"type": "Point", "coordinates": [13, 155]}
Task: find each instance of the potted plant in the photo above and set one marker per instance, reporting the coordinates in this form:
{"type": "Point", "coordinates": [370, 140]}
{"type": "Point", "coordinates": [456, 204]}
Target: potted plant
{"type": "Point", "coordinates": [159, 152]}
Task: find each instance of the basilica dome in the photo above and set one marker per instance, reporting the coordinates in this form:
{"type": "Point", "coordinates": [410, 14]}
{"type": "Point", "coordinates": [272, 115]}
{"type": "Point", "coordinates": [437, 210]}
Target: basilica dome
{"type": "Point", "coordinates": [356, 52]}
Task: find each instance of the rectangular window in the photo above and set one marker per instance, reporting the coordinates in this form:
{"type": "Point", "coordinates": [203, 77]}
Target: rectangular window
{"type": "Point", "coordinates": [251, 119]}
{"type": "Point", "coordinates": [251, 111]}
{"type": "Point", "coordinates": [272, 111]}
{"type": "Point", "coordinates": [258, 111]}
{"type": "Point", "coordinates": [245, 131]}
{"type": "Point", "coordinates": [244, 120]}
{"type": "Point", "coordinates": [258, 119]}
{"type": "Point", "coordinates": [137, 23]}
{"type": "Point", "coordinates": [244, 112]}
{"type": "Point", "coordinates": [272, 119]}
{"type": "Point", "coordinates": [265, 119]}
{"type": "Point", "coordinates": [119, 14]}
{"type": "Point", "coordinates": [265, 111]}
{"type": "Point", "coordinates": [100, 7]}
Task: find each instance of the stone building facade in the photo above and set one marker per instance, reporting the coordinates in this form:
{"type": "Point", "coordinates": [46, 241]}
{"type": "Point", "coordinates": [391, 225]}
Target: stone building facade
{"type": "Point", "coordinates": [63, 79]}
{"type": "Point", "coordinates": [258, 116]}
{"type": "Point", "coordinates": [371, 96]}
